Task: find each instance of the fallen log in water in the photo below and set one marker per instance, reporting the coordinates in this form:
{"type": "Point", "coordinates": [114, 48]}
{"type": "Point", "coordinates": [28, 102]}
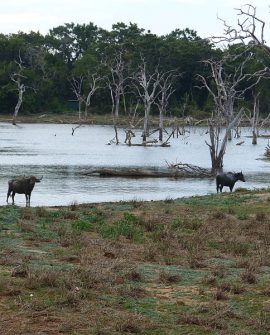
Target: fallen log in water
{"type": "Point", "coordinates": [177, 171]}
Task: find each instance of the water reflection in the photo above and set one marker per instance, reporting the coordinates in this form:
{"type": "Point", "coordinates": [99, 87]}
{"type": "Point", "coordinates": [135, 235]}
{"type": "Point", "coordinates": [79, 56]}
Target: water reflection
{"type": "Point", "coordinates": [51, 151]}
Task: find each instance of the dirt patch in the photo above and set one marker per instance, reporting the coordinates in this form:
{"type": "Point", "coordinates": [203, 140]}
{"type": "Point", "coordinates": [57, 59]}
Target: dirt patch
{"type": "Point", "coordinates": [181, 295]}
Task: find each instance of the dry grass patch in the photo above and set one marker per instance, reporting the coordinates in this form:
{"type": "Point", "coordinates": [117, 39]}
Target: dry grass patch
{"type": "Point", "coordinates": [138, 262]}
{"type": "Point", "coordinates": [169, 278]}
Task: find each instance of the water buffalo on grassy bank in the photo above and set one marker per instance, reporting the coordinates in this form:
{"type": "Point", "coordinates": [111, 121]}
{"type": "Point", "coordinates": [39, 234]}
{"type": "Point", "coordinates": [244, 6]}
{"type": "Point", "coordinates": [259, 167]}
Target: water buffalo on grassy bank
{"type": "Point", "coordinates": [228, 179]}
{"type": "Point", "coordinates": [22, 185]}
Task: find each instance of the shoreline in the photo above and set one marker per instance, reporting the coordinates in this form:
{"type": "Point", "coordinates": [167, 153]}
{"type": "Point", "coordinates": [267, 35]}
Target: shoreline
{"type": "Point", "coordinates": [95, 119]}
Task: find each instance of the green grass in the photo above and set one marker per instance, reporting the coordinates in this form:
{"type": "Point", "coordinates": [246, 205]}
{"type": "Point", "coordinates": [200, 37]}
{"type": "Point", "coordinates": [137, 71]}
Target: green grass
{"type": "Point", "coordinates": [198, 265]}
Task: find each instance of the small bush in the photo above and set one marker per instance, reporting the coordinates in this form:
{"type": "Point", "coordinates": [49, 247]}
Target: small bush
{"type": "Point", "coordinates": [249, 276]}
{"type": "Point", "coordinates": [81, 225]}
{"type": "Point", "coordinates": [21, 271]}
{"type": "Point", "coordinates": [237, 248]}
{"type": "Point", "coordinates": [25, 227]}
{"type": "Point", "coordinates": [26, 213]}
{"type": "Point", "coordinates": [129, 227]}
{"type": "Point", "coordinates": [220, 295]}
{"type": "Point", "coordinates": [151, 253]}
{"type": "Point", "coordinates": [73, 206]}
{"type": "Point", "coordinates": [225, 287]}
{"type": "Point", "coordinates": [219, 271]}
{"type": "Point", "coordinates": [237, 288]}
{"type": "Point", "coordinates": [219, 215]}
{"type": "Point", "coordinates": [136, 203]}
{"type": "Point", "coordinates": [168, 278]}
{"type": "Point", "coordinates": [210, 280]}
{"type": "Point", "coordinates": [260, 217]}
{"type": "Point", "coordinates": [242, 216]}
{"type": "Point", "coordinates": [41, 212]}
{"type": "Point", "coordinates": [231, 211]}
{"type": "Point", "coordinates": [241, 190]}
{"type": "Point", "coordinates": [7, 288]}
{"type": "Point", "coordinates": [70, 215]}
{"type": "Point", "coordinates": [134, 276]}
{"type": "Point", "coordinates": [45, 278]}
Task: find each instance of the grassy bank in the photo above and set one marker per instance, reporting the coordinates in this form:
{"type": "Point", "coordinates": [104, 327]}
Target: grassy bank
{"type": "Point", "coordinates": [198, 265]}
{"type": "Point", "coordinates": [72, 117]}
{"type": "Point", "coordinates": [68, 117]}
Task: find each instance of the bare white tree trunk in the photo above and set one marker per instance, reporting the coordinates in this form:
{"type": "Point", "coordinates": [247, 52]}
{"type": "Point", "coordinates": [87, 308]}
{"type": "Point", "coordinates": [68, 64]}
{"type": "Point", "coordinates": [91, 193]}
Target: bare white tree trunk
{"type": "Point", "coordinates": [255, 119]}
{"type": "Point", "coordinates": [93, 83]}
{"type": "Point", "coordinates": [147, 86]}
{"type": "Point", "coordinates": [21, 89]}
{"type": "Point", "coordinates": [217, 151]}
{"type": "Point", "coordinates": [116, 85]}
{"type": "Point", "coordinates": [249, 28]}
{"type": "Point", "coordinates": [77, 85]}
{"type": "Point", "coordinates": [226, 90]}
{"type": "Point", "coordinates": [165, 92]}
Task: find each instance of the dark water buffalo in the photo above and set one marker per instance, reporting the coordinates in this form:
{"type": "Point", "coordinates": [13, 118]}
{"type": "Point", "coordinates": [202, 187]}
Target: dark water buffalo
{"type": "Point", "coordinates": [228, 179]}
{"type": "Point", "coordinates": [22, 185]}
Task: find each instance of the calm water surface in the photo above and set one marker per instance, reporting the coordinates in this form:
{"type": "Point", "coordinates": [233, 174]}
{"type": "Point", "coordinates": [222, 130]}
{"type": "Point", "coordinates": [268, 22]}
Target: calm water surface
{"type": "Point", "coordinates": [51, 151]}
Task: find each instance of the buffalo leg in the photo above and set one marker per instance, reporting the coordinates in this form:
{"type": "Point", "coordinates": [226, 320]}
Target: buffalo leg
{"type": "Point", "coordinates": [13, 195]}
{"type": "Point", "coordinates": [8, 194]}
{"type": "Point", "coordinates": [27, 196]}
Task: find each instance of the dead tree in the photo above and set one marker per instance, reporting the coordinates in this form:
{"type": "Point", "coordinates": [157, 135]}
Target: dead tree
{"type": "Point", "coordinates": [165, 91]}
{"type": "Point", "coordinates": [147, 85]}
{"type": "Point", "coordinates": [18, 77]}
{"type": "Point", "coordinates": [133, 115]}
{"type": "Point", "coordinates": [255, 119]}
{"type": "Point", "coordinates": [116, 82]}
{"type": "Point", "coordinates": [77, 88]}
{"type": "Point", "coordinates": [257, 123]}
{"type": "Point", "coordinates": [226, 87]}
{"type": "Point", "coordinates": [249, 29]}
{"type": "Point", "coordinates": [217, 145]}
{"type": "Point", "coordinates": [93, 81]}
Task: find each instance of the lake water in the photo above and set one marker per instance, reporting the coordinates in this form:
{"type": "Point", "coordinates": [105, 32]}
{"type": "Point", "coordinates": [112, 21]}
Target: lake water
{"type": "Point", "coordinates": [50, 150]}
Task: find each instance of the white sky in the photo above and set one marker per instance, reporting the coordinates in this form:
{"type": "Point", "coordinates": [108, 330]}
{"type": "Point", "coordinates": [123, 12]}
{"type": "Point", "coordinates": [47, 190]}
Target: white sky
{"type": "Point", "coordinates": [159, 16]}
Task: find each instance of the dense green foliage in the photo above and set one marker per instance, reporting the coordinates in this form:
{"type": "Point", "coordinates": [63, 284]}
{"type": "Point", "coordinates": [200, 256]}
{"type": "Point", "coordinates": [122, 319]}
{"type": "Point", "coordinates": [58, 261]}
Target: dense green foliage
{"type": "Point", "coordinates": [75, 51]}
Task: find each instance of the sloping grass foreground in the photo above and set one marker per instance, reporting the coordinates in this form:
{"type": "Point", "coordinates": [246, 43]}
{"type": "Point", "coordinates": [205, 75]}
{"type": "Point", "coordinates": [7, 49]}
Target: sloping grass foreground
{"type": "Point", "coordinates": [198, 265]}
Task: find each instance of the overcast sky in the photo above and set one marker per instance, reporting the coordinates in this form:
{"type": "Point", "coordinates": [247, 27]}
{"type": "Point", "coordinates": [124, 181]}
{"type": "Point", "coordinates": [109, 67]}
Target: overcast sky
{"type": "Point", "coordinates": [159, 16]}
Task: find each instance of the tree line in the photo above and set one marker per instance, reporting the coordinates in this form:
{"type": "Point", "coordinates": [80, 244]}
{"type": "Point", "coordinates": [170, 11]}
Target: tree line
{"type": "Point", "coordinates": [124, 70]}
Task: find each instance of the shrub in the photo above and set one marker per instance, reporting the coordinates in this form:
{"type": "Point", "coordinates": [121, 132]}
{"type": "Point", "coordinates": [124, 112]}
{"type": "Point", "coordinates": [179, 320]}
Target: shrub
{"type": "Point", "coordinates": [249, 275]}
{"type": "Point", "coordinates": [26, 213]}
{"type": "Point", "coordinates": [129, 227]}
{"type": "Point", "coordinates": [169, 278]}
{"type": "Point", "coordinates": [220, 295]}
{"type": "Point", "coordinates": [81, 225]}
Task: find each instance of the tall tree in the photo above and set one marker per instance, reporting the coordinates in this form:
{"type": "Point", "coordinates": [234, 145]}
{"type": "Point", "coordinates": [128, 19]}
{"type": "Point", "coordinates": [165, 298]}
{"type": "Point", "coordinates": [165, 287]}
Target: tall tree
{"type": "Point", "coordinates": [250, 28]}
{"type": "Point", "coordinates": [225, 89]}
{"type": "Point", "coordinates": [166, 89]}
{"type": "Point", "coordinates": [72, 40]}
{"type": "Point", "coordinates": [147, 87]}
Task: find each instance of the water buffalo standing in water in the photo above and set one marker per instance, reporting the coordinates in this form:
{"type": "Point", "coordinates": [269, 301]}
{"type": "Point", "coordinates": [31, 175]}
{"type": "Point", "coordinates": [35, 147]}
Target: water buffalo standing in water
{"type": "Point", "coordinates": [228, 179]}
{"type": "Point", "coordinates": [22, 185]}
